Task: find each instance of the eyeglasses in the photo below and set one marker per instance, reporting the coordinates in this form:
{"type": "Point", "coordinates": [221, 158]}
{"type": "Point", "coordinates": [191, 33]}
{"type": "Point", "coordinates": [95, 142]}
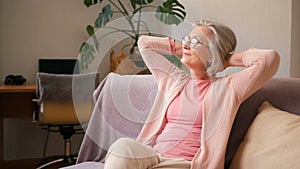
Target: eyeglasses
{"type": "Point", "coordinates": [192, 42]}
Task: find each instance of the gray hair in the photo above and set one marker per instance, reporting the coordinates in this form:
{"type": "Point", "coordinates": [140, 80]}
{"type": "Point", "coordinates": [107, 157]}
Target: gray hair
{"type": "Point", "coordinates": [221, 45]}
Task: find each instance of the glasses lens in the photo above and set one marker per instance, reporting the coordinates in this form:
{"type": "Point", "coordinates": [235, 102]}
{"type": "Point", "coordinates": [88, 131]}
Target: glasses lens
{"type": "Point", "coordinates": [185, 40]}
{"type": "Point", "coordinates": [193, 42]}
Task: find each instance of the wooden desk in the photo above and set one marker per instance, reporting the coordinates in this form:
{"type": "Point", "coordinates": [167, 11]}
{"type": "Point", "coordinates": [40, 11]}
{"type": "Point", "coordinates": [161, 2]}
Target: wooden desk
{"type": "Point", "coordinates": [15, 101]}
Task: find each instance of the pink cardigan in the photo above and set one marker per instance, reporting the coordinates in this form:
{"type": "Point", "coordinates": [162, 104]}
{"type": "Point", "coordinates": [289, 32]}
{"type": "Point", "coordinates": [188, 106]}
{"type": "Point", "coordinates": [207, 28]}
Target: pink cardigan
{"type": "Point", "coordinates": [221, 102]}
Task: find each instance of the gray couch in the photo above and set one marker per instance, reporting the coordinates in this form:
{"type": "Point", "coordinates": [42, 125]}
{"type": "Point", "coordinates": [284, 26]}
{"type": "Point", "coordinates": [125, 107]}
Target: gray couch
{"type": "Point", "coordinates": [122, 104]}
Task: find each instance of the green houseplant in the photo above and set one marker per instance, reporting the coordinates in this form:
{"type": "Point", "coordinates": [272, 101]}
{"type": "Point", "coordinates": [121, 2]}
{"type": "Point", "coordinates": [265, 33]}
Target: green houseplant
{"type": "Point", "coordinates": [168, 12]}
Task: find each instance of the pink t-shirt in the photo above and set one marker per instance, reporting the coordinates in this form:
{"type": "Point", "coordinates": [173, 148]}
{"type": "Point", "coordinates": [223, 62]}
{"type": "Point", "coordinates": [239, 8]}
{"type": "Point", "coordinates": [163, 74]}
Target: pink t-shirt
{"type": "Point", "coordinates": [180, 137]}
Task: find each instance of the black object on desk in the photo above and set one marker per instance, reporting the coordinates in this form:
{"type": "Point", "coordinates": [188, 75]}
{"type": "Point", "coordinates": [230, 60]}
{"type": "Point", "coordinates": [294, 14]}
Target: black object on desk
{"type": "Point", "coordinates": [59, 66]}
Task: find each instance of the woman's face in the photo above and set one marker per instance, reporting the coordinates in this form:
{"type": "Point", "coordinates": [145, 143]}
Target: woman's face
{"type": "Point", "coordinates": [195, 49]}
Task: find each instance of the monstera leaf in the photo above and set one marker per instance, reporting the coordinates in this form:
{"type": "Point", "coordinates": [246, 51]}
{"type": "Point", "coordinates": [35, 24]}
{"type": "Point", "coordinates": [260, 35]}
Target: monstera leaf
{"type": "Point", "coordinates": [104, 16]}
{"type": "Point", "coordinates": [90, 30]}
{"type": "Point", "coordinates": [89, 3]}
{"type": "Point", "coordinates": [140, 2]}
{"type": "Point", "coordinates": [87, 52]}
{"type": "Point", "coordinates": [172, 12]}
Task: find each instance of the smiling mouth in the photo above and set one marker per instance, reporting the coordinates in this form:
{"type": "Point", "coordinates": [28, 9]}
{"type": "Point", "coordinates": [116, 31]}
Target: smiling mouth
{"type": "Point", "coordinates": [187, 54]}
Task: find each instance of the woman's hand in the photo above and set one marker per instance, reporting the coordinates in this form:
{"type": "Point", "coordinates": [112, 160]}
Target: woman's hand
{"type": "Point", "coordinates": [235, 60]}
{"type": "Point", "coordinates": [176, 47]}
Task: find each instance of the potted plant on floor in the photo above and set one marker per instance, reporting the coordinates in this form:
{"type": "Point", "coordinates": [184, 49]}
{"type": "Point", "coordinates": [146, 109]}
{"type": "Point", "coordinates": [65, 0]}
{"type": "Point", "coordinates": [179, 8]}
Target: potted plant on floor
{"type": "Point", "coordinates": [168, 12]}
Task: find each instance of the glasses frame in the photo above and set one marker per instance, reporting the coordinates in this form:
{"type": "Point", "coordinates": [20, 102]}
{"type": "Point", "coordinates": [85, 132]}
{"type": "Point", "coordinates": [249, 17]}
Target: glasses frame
{"type": "Point", "coordinates": [192, 42]}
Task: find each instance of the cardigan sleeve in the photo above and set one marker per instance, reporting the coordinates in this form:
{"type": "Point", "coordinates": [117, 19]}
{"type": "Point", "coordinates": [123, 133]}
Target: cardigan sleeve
{"type": "Point", "coordinates": [153, 50]}
{"type": "Point", "coordinates": [260, 65]}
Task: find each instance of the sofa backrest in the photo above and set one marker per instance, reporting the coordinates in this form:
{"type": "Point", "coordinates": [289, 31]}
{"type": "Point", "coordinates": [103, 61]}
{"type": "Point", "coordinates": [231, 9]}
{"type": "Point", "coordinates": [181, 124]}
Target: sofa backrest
{"type": "Point", "coordinates": [283, 93]}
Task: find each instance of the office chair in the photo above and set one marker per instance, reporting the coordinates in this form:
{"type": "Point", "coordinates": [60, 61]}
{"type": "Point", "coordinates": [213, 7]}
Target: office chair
{"type": "Point", "coordinates": [64, 103]}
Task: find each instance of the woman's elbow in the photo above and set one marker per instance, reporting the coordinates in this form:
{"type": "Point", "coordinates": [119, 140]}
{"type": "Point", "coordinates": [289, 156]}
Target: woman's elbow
{"type": "Point", "coordinates": [142, 42]}
{"type": "Point", "coordinates": [274, 57]}
{"type": "Point", "coordinates": [272, 60]}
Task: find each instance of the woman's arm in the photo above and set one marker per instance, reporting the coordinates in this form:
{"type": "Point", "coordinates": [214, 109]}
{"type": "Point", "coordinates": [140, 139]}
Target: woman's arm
{"type": "Point", "coordinates": [153, 50]}
{"type": "Point", "coordinates": [260, 66]}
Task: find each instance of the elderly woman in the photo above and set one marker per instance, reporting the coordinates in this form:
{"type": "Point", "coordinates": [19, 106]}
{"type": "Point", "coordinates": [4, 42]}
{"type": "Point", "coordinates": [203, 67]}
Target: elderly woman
{"type": "Point", "coordinates": [191, 119]}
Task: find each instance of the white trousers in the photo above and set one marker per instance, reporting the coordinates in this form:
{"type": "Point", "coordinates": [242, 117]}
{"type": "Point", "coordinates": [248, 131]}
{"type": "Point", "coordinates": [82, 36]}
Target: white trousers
{"type": "Point", "coordinates": [127, 153]}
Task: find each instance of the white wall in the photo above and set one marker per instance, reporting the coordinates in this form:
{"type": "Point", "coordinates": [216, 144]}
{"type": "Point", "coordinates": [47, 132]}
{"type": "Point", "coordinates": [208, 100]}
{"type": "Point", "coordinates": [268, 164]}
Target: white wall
{"type": "Point", "coordinates": [31, 29]}
{"type": "Point", "coordinates": [263, 24]}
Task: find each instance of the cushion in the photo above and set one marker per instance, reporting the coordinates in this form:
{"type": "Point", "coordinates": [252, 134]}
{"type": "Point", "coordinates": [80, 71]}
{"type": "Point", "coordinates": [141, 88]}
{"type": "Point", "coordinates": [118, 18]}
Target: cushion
{"type": "Point", "coordinates": [272, 141]}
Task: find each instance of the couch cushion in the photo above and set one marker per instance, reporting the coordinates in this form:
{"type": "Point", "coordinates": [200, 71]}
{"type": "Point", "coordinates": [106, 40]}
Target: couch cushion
{"type": "Point", "coordinates": [272, 141]}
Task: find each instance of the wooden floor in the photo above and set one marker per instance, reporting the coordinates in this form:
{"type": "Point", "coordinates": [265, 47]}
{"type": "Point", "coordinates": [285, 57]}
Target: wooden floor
{"type": "Point", "coordinates": [27, 164]}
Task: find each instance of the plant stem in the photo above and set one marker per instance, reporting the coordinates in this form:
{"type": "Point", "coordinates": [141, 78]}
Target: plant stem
{"type": "Point", "coordinates": [115, 5]}
{"type": "Point", "coordinates": [121, 4]}
{"type": "Point", "coordinates": [138, 32]}
{"type": "Point", "coordinates": [141, 7]}
{"type": "Point", "coordinates": [124, 13]}
{"type": "Point", "coordinates": [120, 30]}
{"type": "Point", "coordinates": [145, 26]}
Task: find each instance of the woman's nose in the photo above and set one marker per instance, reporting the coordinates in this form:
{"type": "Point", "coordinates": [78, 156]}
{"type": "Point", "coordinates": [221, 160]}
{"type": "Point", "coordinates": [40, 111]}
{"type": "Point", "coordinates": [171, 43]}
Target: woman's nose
{"type": "Point", "coordinates": [186, 46]}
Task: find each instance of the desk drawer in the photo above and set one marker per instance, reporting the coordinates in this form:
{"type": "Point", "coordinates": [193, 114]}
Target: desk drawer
{"type": "Point", "coordinates": [16, 104]}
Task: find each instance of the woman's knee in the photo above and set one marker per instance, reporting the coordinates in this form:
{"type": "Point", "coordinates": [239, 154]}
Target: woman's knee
{"type": "Point", "coordinates": [128, 153]}
{"type": "Point", "coordinates": [127, 147]}
{"type": "Point", "coordinates": [124, 141]}
{"type": "Point", "coordinates": [120, 147]}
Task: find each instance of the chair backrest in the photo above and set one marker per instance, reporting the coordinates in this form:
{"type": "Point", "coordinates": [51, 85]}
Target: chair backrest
{"type": "Point", "coordinates": [65, 98]}
{"type": "Point", "coordinates": [64, 95]}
